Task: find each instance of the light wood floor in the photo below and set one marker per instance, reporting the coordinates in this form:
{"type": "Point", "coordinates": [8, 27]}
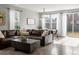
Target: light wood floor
{"type": "Point", "coordinates": [57, 47]}
{"type": "Point", "coordinates": [73, 34]}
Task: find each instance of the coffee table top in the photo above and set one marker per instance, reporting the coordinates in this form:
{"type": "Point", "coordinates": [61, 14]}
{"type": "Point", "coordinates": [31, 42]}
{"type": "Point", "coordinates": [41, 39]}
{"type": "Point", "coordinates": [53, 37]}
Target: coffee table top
{"type": "Point", "coordinates": [28, 41]}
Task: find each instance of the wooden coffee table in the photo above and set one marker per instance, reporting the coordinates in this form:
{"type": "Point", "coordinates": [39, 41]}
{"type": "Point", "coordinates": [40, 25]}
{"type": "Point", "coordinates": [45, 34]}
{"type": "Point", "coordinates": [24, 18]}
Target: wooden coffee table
{"type": "Point", "coordinates": [28, 45]}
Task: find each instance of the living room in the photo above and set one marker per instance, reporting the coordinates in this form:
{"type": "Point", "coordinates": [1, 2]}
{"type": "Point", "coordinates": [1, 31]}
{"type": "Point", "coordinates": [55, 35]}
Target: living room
{"type": "Point", "coordinates": [39, 29]}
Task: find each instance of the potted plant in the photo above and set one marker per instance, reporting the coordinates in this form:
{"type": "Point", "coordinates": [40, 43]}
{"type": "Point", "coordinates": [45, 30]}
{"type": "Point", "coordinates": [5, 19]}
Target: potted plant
{"type": "Point", "coordinates": [17, 27]}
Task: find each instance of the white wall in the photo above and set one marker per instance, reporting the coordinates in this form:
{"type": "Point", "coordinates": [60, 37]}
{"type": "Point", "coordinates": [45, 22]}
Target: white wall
{"type": "Point", "coordinates": [24, 15]}
{"type": "Point", "coordinates": [29, 14]}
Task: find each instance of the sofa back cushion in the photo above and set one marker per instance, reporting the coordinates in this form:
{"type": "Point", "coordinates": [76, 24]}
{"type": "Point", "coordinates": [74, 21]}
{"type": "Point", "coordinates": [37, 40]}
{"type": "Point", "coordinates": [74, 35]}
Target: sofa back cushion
{"type": "Point", "coordinates": [17, 33]}
{"type": "Point", "coordinates": [10, 33]}
{"type": "Point", "coordinates": [32, 32]}
{"type": "Point", "coordinates": [36, 32]}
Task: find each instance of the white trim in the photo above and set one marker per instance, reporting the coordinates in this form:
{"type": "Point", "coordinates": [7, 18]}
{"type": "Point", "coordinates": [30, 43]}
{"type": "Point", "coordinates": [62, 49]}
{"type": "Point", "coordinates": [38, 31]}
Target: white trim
{"type": "Point", "coordinates": [64, 24]}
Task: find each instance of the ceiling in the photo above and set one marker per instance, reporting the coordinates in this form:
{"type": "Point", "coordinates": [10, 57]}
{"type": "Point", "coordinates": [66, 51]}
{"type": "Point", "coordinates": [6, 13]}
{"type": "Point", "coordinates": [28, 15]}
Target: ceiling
{"type": "Point", "coordinates": [48, 7]}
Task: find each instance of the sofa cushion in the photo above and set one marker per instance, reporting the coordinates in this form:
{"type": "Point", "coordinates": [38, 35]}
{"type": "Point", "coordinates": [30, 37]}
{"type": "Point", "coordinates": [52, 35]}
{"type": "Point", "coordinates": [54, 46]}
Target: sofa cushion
{"type": "Point", "coordinates": [10, 33]}
{"type": "Point", "coordinates": [17, 33]}
{"type": "Point", "coordinates": [29, 31]}
{"type": "Point", "coordinates": [36, 32]}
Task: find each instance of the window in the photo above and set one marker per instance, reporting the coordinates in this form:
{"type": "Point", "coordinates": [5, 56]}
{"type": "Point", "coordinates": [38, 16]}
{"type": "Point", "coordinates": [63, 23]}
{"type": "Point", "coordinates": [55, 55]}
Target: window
{"type": "Point", "coordinates": [14, 19]}
{"type": "Point", "coordinates": [49, 21]}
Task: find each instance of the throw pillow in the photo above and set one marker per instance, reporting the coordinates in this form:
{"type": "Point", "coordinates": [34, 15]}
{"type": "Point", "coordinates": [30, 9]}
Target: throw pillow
{"type": "Point", "coordinates": [1, 35]}
{"type": "Point", "coordinates": [45, 33]}
{"type": "Point", "coordinates": [24, 33]}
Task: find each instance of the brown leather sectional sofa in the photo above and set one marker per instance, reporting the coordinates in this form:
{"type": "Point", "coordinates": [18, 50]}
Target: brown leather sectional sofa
{"type": "Point", "coordinates": [33, 34]}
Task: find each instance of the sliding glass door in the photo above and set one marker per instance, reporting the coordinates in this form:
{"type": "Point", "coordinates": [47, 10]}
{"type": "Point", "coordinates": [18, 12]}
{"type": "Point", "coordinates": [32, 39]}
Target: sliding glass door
{"type": "Point", "coordinates": [73, 25]}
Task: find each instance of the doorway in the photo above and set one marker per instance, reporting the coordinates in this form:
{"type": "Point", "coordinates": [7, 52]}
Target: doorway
{"type": "Point", "coordinates": [73, 25]}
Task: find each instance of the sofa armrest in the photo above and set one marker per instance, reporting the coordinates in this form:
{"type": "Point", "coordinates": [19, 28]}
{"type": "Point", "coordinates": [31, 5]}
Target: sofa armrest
{"type": "Point", "coordinates": [46, 39]}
